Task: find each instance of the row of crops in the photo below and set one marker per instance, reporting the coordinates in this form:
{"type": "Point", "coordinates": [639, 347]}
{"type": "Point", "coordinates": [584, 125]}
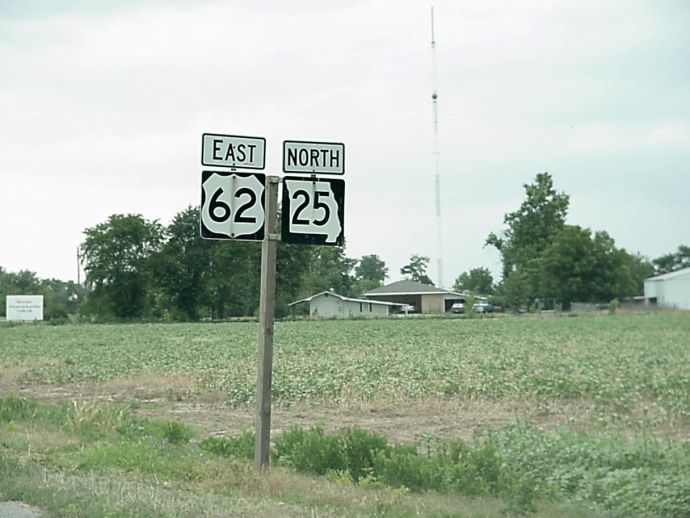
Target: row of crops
{"type": "Point", "coordinates": [617, 362]}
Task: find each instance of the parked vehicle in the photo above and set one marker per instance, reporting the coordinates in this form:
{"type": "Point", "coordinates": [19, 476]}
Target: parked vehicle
{"type": "Point", "coordinates": [483, 307]}
{"type": "Point", "coordinates": [407, 308]}
{"type": "Point", "coordinates": [457, 307]}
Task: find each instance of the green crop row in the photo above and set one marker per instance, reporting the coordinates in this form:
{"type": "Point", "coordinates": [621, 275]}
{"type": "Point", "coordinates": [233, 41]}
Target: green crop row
{"type": "Point", "coordinates": [618, 362]}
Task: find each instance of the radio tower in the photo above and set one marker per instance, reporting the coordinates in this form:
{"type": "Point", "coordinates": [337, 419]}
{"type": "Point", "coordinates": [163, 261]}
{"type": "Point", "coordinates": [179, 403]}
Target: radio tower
{"type": "Point", "coordinates": [437, 178]}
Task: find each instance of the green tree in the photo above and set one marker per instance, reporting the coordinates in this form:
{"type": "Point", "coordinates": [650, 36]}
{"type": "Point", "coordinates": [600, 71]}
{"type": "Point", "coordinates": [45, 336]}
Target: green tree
{"type": "Point", "coordinates": [59, 298]}
{"type": "Point", "coordinates": [371, 272]}
{"type": "Point", "coordinates": [416, 269]}
{"type": "Point", "coordinates": [182, 267]}
{"type": "Point", "coordinates": [672, 262]}
{"type": "Point", "coordinates": [371, 268]}
{"type": "Point", "coordinates": [477, 280]}
{"type": "Point", "coordinates": [531, 228]}
{"type": "Point", "coordinates": [23, 282]}
{"type": "Point", "coordinates": [117, 258]}
{"type": "Point", "coordinates": [579, 266]}
{"type": "Point", "coordinates": [328, 269]}
{"type": "Point", "coordinates": [234, 278]}
{"type": "Point", "coordinates": [293, 264]}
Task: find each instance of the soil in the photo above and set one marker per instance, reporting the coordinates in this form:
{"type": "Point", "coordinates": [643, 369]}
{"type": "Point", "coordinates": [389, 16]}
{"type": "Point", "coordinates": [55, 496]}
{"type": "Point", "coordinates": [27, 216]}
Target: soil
{"type": "Point", "coordinates": [404, 420]}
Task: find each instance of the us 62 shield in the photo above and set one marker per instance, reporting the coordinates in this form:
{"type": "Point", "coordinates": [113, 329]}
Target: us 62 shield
{"type": "Point", "coordinates": [232, 205]}
{"type": "Point", "coordinates": [313, 211]}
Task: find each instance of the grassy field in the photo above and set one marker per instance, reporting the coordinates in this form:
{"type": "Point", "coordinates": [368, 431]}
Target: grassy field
{"type": "Point", "coordinates": [594, 412]}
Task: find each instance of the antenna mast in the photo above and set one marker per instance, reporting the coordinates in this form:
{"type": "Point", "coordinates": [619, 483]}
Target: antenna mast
{"type": "Point", "coordinates": [437, 177]}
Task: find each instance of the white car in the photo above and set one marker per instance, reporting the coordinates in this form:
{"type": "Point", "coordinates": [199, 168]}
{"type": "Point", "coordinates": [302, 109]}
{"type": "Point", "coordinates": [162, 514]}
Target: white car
{"type": "Point", "coordinates": [457, 307]}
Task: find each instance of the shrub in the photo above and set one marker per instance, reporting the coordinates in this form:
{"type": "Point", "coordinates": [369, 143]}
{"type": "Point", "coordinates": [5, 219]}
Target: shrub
{"type": "Point", "coordinates": [311, 451]}
{"type": "Point", "coordinates": [241, 446]}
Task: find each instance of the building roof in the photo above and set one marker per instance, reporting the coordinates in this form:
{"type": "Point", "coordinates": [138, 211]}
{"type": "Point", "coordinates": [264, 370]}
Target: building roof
{"type": "Point", "coordinates": [409, 288]}
{"type": "Point", "coordinates": [671, 275]}
{"type": "Point", "coordinates": [348, 299]}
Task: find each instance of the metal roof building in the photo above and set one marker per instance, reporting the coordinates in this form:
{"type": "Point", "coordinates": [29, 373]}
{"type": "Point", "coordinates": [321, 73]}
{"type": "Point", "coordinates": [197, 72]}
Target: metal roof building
{"type": "Point", "coordinates": [670, 290]}
{"type": "Point", "coordinates": [424, 298]}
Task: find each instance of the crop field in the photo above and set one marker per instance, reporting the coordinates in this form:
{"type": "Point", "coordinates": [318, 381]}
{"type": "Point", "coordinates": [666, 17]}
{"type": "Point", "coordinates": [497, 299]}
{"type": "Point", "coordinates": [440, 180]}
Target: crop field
{"type": "Point", "coordinates": [619, 366]}
{"type": "Point", "coordinates": [623, 377]}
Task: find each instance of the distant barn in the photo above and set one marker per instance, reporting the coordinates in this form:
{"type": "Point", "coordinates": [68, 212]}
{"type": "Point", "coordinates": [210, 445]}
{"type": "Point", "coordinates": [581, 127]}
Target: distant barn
{"type": "Point", "coordinates": [670, 290]}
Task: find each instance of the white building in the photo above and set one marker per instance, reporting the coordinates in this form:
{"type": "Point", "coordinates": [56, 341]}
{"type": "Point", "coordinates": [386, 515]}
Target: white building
{"type": "Point", "coordinates": [670, 290]}
{"type": "Point", "coordinates": [328, 304]}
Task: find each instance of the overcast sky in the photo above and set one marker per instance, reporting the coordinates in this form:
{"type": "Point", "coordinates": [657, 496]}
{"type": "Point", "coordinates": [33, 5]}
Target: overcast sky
{"type": "Point", "coordinates": [103, 104]}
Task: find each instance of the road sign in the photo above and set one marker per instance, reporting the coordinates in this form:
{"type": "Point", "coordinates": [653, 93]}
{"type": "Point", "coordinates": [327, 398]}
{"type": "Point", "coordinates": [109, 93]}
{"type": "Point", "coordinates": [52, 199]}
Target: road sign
{"type": "Point", "coordinates": [313, 157]}
{"type": "Point", "coordinates": [232, 205]}
{"type": "Point", "coordinates": [233, 151]}
{"type": "Point", "coordinates": [313, 211]}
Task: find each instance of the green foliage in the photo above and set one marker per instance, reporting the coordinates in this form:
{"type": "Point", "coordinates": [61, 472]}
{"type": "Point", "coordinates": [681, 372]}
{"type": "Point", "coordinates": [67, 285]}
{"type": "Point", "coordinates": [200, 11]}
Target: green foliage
{"type": "Point", "coordinates": [672, 262]}
{"type": "Point", "coordinates": [327, 268]}
{"type": "Point", "coordinates": [545, 259]}
{"type": "Point", "coordinates": [241, 447]}
{"type": "Point", "coordinates": [14, 408]}
{"type": "Point", "coordinates": [117, 256]}
{"type": "Point", "coordinates": [176, 432]}
{"type": "Point", "coordinates": [310, 451]}
{"type": "Point", "coordinates": [181, 267]}
{"type": "Point", "coordinates": [530, 228]}
{"type": "Point", "coordinates": [643, 477]}
{"type": "Point", "coordinates": [371, 268]}
{"type": "Point", "coordinates": [416, 270]}
{"type": "Point", "coordinates": [614, 363]}
{"type": "Point", "coordinates": [59, 298]}
{"type": "Point", "coordinates": [477, 280]}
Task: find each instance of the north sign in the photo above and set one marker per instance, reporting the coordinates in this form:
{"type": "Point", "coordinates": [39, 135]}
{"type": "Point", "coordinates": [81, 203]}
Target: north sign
{"type": "Point", "coordinates": [313, 157]}
{"type": "Point", "coordinates": [313, 211]}
{"type": "Point", "coordinates": [233, 151]}
{"type": "Point", "coordinates": [232, 205]}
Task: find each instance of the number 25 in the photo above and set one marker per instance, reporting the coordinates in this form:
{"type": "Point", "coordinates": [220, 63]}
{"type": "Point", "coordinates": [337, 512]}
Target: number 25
{"type": "Point", "coordinates": [297, 218]}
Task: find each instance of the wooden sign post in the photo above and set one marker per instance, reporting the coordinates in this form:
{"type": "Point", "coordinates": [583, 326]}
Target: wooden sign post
{"type": "Point", "coordinates": [269, 248]}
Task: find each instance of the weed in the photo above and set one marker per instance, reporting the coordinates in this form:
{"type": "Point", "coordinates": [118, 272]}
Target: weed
{"type": "Point", "coordinates": [241, 446]}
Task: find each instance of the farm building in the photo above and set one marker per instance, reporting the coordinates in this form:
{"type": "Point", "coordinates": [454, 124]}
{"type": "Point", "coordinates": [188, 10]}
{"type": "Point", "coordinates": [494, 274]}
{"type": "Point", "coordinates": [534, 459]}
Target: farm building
{"type": "Point", "coordinates": [670, 290]}
{"type": "Point", "coordinates": [328, 304]}
{"type": "Point", "coordinates": [424, 298]}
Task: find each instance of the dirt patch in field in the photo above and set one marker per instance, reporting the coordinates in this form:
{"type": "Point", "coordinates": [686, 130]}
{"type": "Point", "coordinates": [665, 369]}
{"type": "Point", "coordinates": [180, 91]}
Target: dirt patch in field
{"type": "Point", "coordinates": [400, 421]}
{"type": "Point", "coordinates": [176, 396]}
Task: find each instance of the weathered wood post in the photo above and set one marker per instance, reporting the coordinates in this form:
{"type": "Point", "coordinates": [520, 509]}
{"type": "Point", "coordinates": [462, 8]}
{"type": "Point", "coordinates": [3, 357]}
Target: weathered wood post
{"type": "Point", "coordinates": [269, 248]}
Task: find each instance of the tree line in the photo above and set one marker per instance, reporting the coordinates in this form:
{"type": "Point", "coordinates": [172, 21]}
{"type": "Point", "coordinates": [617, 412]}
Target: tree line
{"type": "Point", "coordinates": [546, 260]}
{"type": "Point", "coordinates": [136, 268]}
{"type": "Point", "coordinates": [59, 297]}
{"type": "Point", "coordinates": [140, 269]}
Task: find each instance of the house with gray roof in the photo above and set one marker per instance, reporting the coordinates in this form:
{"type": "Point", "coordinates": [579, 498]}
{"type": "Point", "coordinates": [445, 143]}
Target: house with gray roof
{"type": "Point", "coordinates": [424, 298]}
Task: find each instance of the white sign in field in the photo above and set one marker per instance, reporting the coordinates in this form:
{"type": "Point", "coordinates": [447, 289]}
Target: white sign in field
{"type": "Point", "coordinates": [233, 151]}
{"type": "Point", "coordinates": [24, 307]}
{"type": "Point", "coordinates": [313, 211]}
{"type": "Point", "coordinates": [313, 157]}
{"type": "Point", "coordinates": [232, 205]}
